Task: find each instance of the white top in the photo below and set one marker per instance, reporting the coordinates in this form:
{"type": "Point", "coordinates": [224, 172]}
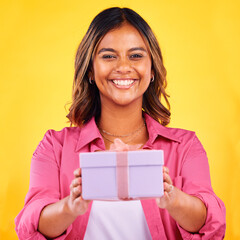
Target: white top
{"type": "Point", "coordinates": [117, 220]}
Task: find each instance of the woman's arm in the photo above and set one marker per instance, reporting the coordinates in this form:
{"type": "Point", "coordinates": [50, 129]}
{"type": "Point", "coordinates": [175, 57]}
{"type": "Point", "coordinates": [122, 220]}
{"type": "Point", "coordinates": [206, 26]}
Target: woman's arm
{"type": "Point", "coordinates": [57, 217]}
{"type": "Point", "coordinates": [188, 211]}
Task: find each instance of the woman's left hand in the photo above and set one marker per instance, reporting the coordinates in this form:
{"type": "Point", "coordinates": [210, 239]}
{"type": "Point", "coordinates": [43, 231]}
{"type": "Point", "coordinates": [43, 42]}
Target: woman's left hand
{"type": "Point", "coordinates": [169, 195]}
{"type": "Point", "coordinates": [188, 211]}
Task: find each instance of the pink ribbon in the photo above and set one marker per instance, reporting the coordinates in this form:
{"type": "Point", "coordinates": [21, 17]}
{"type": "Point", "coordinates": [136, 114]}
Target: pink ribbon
{"type": "Point", "coordinates": [122, 175]}
{"type": "Point", "coordinates": [122, 167]}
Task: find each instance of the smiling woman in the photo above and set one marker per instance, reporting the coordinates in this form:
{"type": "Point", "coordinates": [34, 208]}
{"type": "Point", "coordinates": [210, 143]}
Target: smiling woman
{"type": "Point", "coordinates": [101, 31]}
{"type": "Point", "coordinates": [118, 88]}
{"type": "Point", "coordinates": [122, 72]}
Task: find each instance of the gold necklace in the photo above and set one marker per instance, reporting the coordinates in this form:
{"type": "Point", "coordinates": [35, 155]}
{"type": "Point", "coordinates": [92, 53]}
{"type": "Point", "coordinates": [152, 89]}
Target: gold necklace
{"type": "Point", "coordinates": [133, 134]}
{"type": "Point", "coordinates": [122, 136]}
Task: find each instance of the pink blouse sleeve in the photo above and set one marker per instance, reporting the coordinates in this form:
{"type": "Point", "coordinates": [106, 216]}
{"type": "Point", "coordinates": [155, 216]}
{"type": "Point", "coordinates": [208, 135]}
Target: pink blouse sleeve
{"type": "Point", "coordinates": [195, 180]}
{"type": "Point", "coordinates": [43, 190]}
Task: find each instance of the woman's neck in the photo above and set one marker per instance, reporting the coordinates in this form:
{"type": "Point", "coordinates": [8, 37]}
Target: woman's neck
{"type": "Point", "coordinates": [122, 121]}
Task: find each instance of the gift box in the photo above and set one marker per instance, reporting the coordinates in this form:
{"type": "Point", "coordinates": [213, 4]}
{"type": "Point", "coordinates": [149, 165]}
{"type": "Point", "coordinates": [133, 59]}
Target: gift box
{"type": "Point", "coordinates": [122, 175]}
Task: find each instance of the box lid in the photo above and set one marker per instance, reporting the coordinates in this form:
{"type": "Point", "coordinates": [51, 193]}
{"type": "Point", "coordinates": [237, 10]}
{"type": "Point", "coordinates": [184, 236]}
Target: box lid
{"type": "Point", "coordinates": [108, 159]}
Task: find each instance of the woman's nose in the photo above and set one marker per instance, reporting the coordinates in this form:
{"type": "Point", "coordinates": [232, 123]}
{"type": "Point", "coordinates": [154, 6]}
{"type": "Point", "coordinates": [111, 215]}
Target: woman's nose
{"type": "Point", "coordinates": [123, 65]}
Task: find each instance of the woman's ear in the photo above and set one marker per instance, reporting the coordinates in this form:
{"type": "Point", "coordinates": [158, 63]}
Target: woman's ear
{"type": "Point", "coordinates": [152, 74]}
{"type": "Point", "coordinates": [90, 77]}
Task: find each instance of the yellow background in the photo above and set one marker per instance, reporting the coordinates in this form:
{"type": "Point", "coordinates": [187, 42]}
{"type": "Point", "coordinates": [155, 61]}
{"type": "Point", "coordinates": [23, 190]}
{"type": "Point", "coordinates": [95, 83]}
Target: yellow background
{"type": "Point", "coordinates": [200, 43]}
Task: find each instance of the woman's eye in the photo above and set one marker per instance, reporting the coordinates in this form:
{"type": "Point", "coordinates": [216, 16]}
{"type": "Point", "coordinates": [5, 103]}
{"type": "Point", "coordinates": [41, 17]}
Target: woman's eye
{"type": "Point", "coordinates": [136, 56]}
{"type": "Point", "coordinates": [108, 56]}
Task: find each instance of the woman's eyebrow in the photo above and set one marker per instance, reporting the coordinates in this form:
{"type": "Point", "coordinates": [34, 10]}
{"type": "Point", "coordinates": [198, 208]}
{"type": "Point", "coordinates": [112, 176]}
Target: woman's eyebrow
{"type": "Point", "coordinates": [106, 50]}
{"type": "Point", "coordinates": [130, 50]}
{"type": "Point", "coordinates": [137, 48]}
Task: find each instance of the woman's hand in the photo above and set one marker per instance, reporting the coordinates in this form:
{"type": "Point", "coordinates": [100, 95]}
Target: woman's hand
{"type": "Point", "coordinates": [168, 197]}
{"type": "Point", "coordinates": [60, 215]}
{"type": "Point", "coordinates": [76, 204]}
{"type": "Point", "coordinates": [188, 211]}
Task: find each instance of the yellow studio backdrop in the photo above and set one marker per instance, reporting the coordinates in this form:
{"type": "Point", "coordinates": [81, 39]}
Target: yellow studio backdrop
{"type": "Point", "coordinates": [200, 44]}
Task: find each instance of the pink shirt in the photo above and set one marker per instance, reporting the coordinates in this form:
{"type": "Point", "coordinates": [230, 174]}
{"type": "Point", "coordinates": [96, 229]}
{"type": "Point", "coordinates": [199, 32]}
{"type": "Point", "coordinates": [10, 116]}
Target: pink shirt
{"type": "Point", "coordinates": [57, 156]}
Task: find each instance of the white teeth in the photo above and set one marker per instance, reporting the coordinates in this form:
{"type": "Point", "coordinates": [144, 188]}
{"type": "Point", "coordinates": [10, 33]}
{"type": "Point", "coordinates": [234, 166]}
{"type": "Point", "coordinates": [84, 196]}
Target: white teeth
{"type": "Point", "coordinates": [123, 82]}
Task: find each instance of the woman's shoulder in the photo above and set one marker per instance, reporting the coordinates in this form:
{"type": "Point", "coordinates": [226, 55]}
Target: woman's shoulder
{"type": "Point", "coordinates": [180, 132]}
{"type": "Point", "coordinates": [63, 131]}
{"type": "Point", "coordinates": [183, 136]}
{"type": "Point", "coordinates": [187, 138]}
{"type": "Point", "coordinates": [65, 134]}
{"type": "Point", "coordinates": [173, 133]}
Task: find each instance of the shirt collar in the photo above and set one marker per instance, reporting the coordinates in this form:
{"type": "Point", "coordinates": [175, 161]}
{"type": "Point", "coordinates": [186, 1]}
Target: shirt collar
{"type": "Point", "coordinates": [155, 129]}
{"type": "Point", "coordinates": [89, 132]}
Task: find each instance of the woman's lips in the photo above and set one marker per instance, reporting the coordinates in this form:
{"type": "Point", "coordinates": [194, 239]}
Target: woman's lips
{"type": "Point", "coordinates": [123, 83]}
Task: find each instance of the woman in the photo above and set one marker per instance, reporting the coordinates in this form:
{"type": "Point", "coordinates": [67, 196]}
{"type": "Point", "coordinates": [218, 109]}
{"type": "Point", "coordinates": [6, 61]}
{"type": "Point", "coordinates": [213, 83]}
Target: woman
{"type": "Point", "coordinates": [118, 86]}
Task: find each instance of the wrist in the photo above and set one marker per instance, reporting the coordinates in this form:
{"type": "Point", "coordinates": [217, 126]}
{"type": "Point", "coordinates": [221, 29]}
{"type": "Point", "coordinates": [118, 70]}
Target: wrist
{"type": "Point", "coordinates": [174, 200]}
{"type": "Point", "coordinates": [66, 208]}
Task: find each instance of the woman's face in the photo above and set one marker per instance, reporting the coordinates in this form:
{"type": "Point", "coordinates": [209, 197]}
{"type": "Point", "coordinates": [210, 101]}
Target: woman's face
{"type": "Point", "coordinates": [122, 66]}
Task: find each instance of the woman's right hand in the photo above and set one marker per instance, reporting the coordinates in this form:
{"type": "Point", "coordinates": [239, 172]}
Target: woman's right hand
{"type": "Point", "coordinates": [60, 215]}
{"type": "Point", "coordinates": [76, 204]}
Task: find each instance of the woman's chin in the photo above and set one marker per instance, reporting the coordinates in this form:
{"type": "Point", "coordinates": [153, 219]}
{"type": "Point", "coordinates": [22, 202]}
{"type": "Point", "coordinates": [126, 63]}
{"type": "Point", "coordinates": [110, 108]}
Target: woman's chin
{"type": "Point", "coordinates": [120, 100]}
{"type": "Point", "coordinates": [127, 102]}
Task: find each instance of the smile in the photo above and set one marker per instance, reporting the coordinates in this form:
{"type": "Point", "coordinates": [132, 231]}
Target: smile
{"type": "Point", "coordinates": [123, 82]}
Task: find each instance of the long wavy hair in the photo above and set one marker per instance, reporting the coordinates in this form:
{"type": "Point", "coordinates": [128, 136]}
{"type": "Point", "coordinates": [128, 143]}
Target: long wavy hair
{"type": "Point", "coordinates": [85, 97]}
